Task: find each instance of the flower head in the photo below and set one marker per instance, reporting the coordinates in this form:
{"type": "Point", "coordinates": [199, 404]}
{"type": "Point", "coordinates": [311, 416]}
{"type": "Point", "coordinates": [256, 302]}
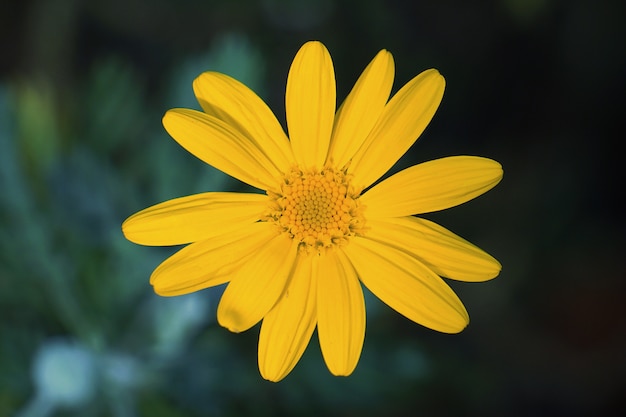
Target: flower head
{"type": "Point", "coordinates": [295, 256]}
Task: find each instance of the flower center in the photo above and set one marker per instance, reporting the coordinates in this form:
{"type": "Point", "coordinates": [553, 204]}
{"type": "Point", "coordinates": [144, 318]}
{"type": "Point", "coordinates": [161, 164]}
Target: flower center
{"type": "Point", "coordinates": [318, 209]}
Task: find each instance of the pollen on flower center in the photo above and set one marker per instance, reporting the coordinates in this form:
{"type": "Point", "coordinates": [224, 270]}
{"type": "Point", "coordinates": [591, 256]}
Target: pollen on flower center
{"type": "Point", "coordinates": [318, 209]}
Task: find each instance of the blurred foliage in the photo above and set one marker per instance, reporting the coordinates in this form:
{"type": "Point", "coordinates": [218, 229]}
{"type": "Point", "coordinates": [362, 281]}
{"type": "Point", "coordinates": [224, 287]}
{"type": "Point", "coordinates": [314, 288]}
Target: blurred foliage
{"type": "Point", "coordinates": [535, 85]}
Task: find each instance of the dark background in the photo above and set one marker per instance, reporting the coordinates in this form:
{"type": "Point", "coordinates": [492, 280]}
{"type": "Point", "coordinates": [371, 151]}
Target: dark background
{"type": "Point", "coordinates": [537, 85]}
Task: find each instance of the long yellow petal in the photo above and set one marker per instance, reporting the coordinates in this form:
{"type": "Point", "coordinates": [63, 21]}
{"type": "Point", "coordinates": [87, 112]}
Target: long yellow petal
{"type": "Point", "coordinates": [221, 146]}
{"type": "Point", "coordinates": [193, 218]}
{"type": "Point", "coordinates": [406, 285]}
{"type": "Point", "coordinates": [404, 118]}
{"type": "Point", "coordinates": [287, 328]}
{"type": "Point", "coordinates": [431, 186]}
{"type": "Point", "coordinates": [310, 102]}
{"type": "Point", "coordinates": [436, 247]}
{"type": "Point", "coordinates": [257, 284]}
{"type": "Point", "coordinates": [234, 103]}
{"type": "Point", "coordinates": [341, 313]}
{"type": "Point", "coordinates": [361, 109]}
{"type": "Point", "coordinates": [209, 262]}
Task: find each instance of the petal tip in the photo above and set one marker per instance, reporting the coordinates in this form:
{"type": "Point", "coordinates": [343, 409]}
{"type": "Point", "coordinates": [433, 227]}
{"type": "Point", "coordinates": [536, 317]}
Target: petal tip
{"type": "Point", "coordinates": [342, 372]}
{"type": "Point", "coordinates": [272, 377]}
{"type": "Point", "coordinates": [457, 324]}
{"type": "Point", "coordinates": [128, 230]}
{"type": "Point", "coordinates": [313, 46]}
{"type": "Point", "coordinates": [433, 75]}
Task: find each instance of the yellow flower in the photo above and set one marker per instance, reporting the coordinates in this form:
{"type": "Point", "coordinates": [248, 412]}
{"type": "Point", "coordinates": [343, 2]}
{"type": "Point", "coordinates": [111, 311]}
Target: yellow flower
{"type": "Point", "coordinates": [296, 256]}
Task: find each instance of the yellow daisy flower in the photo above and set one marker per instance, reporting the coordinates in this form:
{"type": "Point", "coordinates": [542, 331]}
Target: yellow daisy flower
{"type": "Point", "coordinates": [295, 257]}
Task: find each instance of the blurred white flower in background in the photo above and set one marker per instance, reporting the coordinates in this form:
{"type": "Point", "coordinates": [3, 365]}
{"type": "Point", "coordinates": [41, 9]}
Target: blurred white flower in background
{"type": "Point", "coordinates": [64, 375]}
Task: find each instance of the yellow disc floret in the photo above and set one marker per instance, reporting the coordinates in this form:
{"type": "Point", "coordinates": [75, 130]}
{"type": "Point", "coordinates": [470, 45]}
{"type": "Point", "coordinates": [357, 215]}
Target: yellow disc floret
{"type": "Point", "coordinates": [318, 209]}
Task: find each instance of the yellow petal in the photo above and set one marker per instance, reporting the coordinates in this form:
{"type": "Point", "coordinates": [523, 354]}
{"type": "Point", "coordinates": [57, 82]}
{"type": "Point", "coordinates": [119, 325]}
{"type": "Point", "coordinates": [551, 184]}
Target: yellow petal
{"type": "Point", "coordinates": [310, 104]}
{"type": "Point", "coordinates": [406, 285]}
{"type": "Point", "coordinates": [257, 284]}
{"type": "Point", "coordinates": [209, 262]}
{"type": "Point", "coordinates": [234, 103]}
{"type": "Point", "coordinates": [404, 118]}
{"type": "Point", "coordinates": [287, 328]}
{"type": "Point", "coordinates": [341, 313]}
{"type": "Point", "coordinates": [361, 109]}
{"type": "Point", "coordinates": [221, 146]}
{"type": "Point", "coordinates": [439, 249]}
{"type": "Point", "coordinates": [192, 218]}
{"type": "Point", "coordinates": [431, 186]}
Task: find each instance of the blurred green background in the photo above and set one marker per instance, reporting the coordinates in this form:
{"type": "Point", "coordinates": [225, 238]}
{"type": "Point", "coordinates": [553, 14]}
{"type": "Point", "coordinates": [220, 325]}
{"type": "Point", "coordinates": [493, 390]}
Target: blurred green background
{"type": "Point", "coordinates": [534, 84]}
